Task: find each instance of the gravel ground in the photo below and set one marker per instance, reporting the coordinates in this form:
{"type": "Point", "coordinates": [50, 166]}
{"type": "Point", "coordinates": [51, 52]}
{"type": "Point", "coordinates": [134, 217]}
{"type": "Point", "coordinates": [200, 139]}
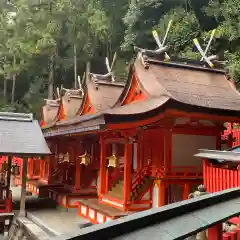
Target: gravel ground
{"type": "Point", "coordinates": [57, 220]}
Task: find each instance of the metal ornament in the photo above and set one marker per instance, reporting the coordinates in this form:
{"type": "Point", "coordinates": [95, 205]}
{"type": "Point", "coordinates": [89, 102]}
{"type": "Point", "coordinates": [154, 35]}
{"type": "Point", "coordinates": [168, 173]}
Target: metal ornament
{"type": "Point", "coordinates": [113, 161]}
{"type": "Point", "coordinates": [66, 157]}
{"type": "Point", "coordinates": [85, 159]}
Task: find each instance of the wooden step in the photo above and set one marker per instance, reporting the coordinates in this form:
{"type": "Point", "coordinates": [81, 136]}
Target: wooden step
{"type": "Point", "coordinates": [115, 195]}
{"type": "Point", "coordinates": [102, 208]}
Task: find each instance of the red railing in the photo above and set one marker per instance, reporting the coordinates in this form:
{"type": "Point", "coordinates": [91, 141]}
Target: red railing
{"type": "Point", "coordinates": [177, 171]}
{"type": "Point", "coordinates": [235, 234]}
{"type": "Point", "coordinates": [217, 179]}
{"type": "Point", "coordinates": [145, 171]}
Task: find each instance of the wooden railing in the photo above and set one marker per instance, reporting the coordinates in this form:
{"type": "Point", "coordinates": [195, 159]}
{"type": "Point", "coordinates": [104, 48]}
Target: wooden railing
{"type": "Point", "coordinates": [217, 179]}
{"type": "Point", "coordinates": [235, 234]}
{"type": "Point", "coordinates": [177, 172]}
{"type": "Point", "coordinates": [138, 178]}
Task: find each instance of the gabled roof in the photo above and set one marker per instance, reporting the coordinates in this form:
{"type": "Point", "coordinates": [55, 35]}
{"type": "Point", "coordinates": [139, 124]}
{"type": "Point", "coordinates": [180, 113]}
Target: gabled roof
{"type": "Point", "coordinates": [173, 86]}
{"type": "Point", "coordinates": [186, 83]}
{"type": "Point", "coordinates": [72, 102]}
{"type": "Point", "coordinates": [49, 112]}
{"type": "Point", "coordinates": [230, 155]}
{"type": "Point", "coordinates": [103, 94]}
{"type": "Point", "coordinates": [20, 135]}
{"type": "Point", "coordinates": [65, 108]}
{"type": "Point", "coordinates": [100, 95]}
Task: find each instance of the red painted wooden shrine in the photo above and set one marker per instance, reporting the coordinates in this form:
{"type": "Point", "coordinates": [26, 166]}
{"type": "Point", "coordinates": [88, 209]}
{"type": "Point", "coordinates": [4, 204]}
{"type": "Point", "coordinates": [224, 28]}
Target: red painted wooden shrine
{"type": "Point", "coordinates": [70, 174]}
{"type": "Point", "coordinates": [166, 112]}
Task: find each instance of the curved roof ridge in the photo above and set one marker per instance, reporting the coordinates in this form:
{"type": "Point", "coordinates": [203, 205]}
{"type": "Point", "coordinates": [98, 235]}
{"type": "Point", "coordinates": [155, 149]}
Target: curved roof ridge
{"type": "Point", "coordinates": [50, 112]}
{"type": "Point", "coordinates": [191, 86]}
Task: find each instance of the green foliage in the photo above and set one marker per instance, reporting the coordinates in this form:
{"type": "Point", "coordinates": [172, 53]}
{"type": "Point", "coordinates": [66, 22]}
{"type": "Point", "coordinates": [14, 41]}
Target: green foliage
{"type": "Point", "coordinates": [37, 43]}
{"type": "Point", "coordinates": [184, 24]}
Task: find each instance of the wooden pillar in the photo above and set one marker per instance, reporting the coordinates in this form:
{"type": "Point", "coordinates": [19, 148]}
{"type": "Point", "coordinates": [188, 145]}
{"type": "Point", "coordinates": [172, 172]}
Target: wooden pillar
{"type": "Point", "coordinates": [29, 167]}
{"type": "Point", "coordinates": [50, 168]}
{"type": "Point", "coordinates": [78, 176]}
{"type": "Point", "coordinates": [9, 173]}
{"type": "Point", "coordinates": [102, 166]}
{"type": "Point", "coordinates": [23, 190]}
{"type": "Point", "coordinates": [32, 166]}
{"type": "Point", "coordinates": [168, 149]}
{"type": "Point", "coordinates": [215, 232]}
{"type": "Point", "coordinates": [106, 180]}
{"type": "Point", "coordinates": [79, 149]}
{"type": "Point", "coordinates": [139, 152]}
{"type": "Point", "coordinates": [161, 193]}
{"type": "Point", "coordinates": [185, 191]}
{"type": "Point", "coordinates": [127, 171]}
{"type": "Point", "coordinates": [42, 167]}
{"type": "Point", "coordinates": [77, 172]}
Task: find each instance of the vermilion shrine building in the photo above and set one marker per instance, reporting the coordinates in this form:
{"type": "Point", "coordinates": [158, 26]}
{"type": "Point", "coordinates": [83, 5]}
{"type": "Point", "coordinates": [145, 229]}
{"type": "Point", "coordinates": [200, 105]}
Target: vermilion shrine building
{"type": "Point", "coordinates": [121, 149]}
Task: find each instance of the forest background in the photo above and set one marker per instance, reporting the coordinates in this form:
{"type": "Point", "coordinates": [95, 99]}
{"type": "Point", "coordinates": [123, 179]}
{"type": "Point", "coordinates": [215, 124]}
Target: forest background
{"type": "Point", "coordinates": [41, 39]}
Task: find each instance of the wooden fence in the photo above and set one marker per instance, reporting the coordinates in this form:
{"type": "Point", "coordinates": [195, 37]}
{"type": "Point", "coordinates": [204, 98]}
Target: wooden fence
{"type": "Point", "coordinates": [217, 179]}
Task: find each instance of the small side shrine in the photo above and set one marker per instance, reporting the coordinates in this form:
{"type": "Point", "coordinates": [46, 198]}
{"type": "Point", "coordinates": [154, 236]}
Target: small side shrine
{"type": "Point", "coordinates": [220, 168]}
{"type": "Point", "coordinates": [73, 170]}
{"type": "Point", "coordinates": [21, 136]}
{"type": "Point", "coordinates": [100, 92]}
{"type": "Point", "coordinates": [37, 173]}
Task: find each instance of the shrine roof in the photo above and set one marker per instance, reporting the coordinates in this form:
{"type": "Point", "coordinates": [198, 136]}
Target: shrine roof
{"type": "Point", "coordinates": [176, 86]}
{"type": "Point", "coordinates": [187, 83]}
{"type": "Point", "coordinates": [104, 94]}
{"type": "Point", "coordinates": [230, 155]}
{"type": "Point", "coordinates": [72, 102]}
{"type": "Point", "coordinates": [20, 135]}
{"type": "Point", "coordinates": [50, 111]}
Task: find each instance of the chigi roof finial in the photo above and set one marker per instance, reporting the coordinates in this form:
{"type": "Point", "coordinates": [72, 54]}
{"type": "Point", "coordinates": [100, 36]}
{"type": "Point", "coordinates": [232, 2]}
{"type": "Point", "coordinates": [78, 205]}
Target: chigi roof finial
{"type": "Point", "coordinates": [160, 52]}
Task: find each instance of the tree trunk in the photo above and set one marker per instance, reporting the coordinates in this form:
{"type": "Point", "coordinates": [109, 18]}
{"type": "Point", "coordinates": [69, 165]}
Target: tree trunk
{"type": "Point", "coordinates": [51, 77]}
{"type": "Point", "coordinates": [13, 82]}
{"type": "Point", "coordinates": [88, 66]}
{"type": "Point", "coordinates": [5, 90]}
{"type": "Point", "coordinates": [75, 66]}
{"type": "Point", "coordinates": [13, 89]}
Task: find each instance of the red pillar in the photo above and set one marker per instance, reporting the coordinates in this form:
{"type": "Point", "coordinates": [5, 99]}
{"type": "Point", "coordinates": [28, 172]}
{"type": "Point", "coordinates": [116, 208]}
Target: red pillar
{"type": "Point", "coordinates": [168, 149]}
{"type": "Point", "coordinates": [161, 193]}
{"type": "Point", "coordinates": [78, 169]}
{"type": "Point", "coordinates": [29, 167]}
{"type": "Point", "coordinates": [41, 168]}
{"type": "Point", "coordinates": [102, 166]}
{"type": "Point", "coordinates": [50, 168]}
{"type": "Point", "coordinates": [127, 172]}
{"type": "Point", "coordinates": [215, 232]}
{"type": "Point", "coordinates": [185, 191]}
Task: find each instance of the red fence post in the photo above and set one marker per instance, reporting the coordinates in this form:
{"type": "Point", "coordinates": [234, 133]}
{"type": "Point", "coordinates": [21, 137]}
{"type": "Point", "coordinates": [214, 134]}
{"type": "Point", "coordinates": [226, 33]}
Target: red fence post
{"type": "Point", "coordinates": [226, 236]}
{"type": "Point", "coordinates": [215, 232]}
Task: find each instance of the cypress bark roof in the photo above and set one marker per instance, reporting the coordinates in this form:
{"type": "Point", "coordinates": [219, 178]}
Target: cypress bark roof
{"type": "Point", "coordinates": [176, 86]}
{"type": "Point", "coordinates": [20, 135]}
